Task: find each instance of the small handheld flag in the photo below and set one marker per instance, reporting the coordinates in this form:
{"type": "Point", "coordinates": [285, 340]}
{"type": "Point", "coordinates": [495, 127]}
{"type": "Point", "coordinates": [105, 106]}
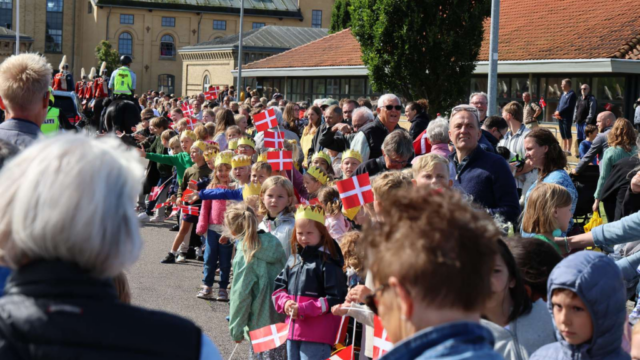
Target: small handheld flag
{"type": "Point", "coordinates": [280, 160]}
{"type": "Point", "coordinates": [265, 120]}
{"type": "Point", "coordinates": [269, 337]}
{"type": "Point", "coordinates": [355, 191]}
{"type": "Point", "coordinates": [191, 210]}
{"type": "Point", "coordinates": [187, 110]}
{"type": "Point", "coordinates": [542, 102]}
{"type": "Point", "coordinates": [155, 192]}
{"type": "Point", "coordinates": [381, 342]}
{"type": "Point", "coordinates": [274, 139]}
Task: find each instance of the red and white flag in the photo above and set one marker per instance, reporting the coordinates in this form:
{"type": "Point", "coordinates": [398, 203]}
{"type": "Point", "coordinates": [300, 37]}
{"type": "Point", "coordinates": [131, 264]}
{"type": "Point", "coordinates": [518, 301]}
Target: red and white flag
{"type": "Point", "coordinates": [355, 191]}
{"type": "Point", "coordinates": [186, 193]}
{"type": "Point", "coordinates": [174, 212]}
{"type": "Point", "coordinates": [542, 102]}
{"type": "Point", "coordinates": [159, 206]}
{"type": "Point", "coordinates": [155, 192]}
{"type": "Point", "coordinates": [341, 336]}
{"type": "Point", "coordinates": [421, 144]}
{"type": "Point", "coordinates": [265, 120]}
{"type": "Point", "coordinates": [381, 342]}
{"type": "Point", "coordinates": [343, 354]}
{"type": "Point", "coordinates": [269, 337]}
{"type": "Point", "coordinates": [187, 110]}
{"type": "Point", "coordinates": [191, 210]}
{"type": "Point", "coordinates": [280, 160]}
{"type": "Point", "coordinates": [212, 94]}
{"type": "Point", "coordinates": [274, 139]}
{"type": "Point", "coordinates": [191, 123]}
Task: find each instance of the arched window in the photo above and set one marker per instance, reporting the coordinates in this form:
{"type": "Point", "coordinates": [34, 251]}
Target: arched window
{"type": "Point", "coordinates": [167, 47]}
{"type": "Point", "coordinates": [206, 83]}
{"type": "Point", "coordinates": [125, 44]}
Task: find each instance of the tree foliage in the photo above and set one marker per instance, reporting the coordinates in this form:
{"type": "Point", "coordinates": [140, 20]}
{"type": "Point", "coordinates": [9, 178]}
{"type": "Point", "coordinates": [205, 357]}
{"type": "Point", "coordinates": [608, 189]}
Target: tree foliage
{"type": "Point", "coordinates": [420, 48]}
{"type": "Point", "coordinates": [105, 52]}
{"type": "Point", "coordinates": [340, 16]}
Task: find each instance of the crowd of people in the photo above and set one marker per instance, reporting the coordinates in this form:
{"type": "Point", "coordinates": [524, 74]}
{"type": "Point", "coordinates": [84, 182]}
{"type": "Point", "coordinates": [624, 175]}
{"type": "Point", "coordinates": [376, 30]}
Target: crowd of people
{"type": "Point", "coordinates": [471, 247]}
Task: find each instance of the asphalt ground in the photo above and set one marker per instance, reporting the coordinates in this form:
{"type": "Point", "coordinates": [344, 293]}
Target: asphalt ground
{"type": "Point", "coordinates": [173, 288]}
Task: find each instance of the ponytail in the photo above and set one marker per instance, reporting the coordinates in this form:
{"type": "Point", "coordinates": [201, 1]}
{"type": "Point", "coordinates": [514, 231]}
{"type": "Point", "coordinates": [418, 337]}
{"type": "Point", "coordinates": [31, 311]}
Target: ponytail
{"type": "Point", "coordinates": [240, 220]}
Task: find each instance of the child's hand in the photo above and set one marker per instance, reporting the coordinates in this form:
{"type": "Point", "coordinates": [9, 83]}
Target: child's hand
{"type": "Point", "coordinates": [139, 137]}
{"type": "Point", "coordinates": [338, 309]}
{"type": "Point", "coordinates": [173, 199]}
{"type": "Point", "coordinates": [358, 293]}
{"type": "Point", "coordinates": [291, 308]}
{"type": "Point", "coordinates": [143, 153]}
{"type": "Point", "coordinates": [192, 197]}
{"type": "Point", "coordinates": [179, 202]}
{"type": "Point", "coordinates": [224, 240]}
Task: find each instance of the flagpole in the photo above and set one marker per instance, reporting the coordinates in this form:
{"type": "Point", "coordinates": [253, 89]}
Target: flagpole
{"type": "Point", "coordinates": [353, 341]}
{"type": "Point", "coordinates": [17, 27]}
{"type": "Point", "coordinates": [240, 52]}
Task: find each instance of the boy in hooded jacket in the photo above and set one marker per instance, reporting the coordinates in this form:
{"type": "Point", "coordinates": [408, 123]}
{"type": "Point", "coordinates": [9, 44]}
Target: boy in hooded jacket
{"type": "Point", "coordinates": [587, 301]}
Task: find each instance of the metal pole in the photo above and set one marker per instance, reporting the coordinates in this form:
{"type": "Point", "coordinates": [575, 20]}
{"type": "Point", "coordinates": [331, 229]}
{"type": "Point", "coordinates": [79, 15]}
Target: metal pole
{"type": "Point", "coordinates": [239, 86]}
{"type": "Point", "coordinates": [493, 58]}
{"type": "Point", "coordinates": [17, 27]}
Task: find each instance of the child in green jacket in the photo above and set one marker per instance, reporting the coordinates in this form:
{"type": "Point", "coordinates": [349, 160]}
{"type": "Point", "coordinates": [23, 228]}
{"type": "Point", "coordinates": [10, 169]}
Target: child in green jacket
{"type": "Point", "coordinates": [182, 161]}
{"type": "Point", "coordinates": [258, 261]}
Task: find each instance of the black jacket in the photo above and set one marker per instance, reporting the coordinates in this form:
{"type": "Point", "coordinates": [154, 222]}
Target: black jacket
{"type": "Point", "coordinates": [418, 125]}
{"type": "Point", "coordinates": [375, 167]}
{"type": "Point", "coordinates": [375, 132]}
{"type": "Point", "coordinates": [55, 310]}
{"type": "Point", "coordinates": [618, 201]}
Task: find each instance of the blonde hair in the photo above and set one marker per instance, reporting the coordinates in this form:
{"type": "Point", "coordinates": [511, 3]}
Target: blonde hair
{"type": "Point", "coordinates": [240, 220]}
{"type": "Point", "coordinates": [389, 181]}
{"type": "Point", "coordinates": [24, 79]}
{"type": "Point", "coordinates": [544, 199]}
{"type": "Point", "coordinates": [622, 135]}
{"type": "Point", "coordinates": [174, 142]}
{"type": "Point", "coordinates": [215, 181]}
{"type": "Point", "coordinates": [167, 135]}
{"type": "Point", "coordinates": [239, 118]}
{"type": "Point", "coordinates": [274, 181]}
{"type": "Point", "coordinates": [330, 199]}
{"type": "Point", "coordinates": [427, 163]}
{"type": "Point", "coordinates": [201, 132]}
{"type": "Point", "coordinates": [261, 165]}
{"type": "Point", "coordinates": [351, 252]}
{"type": "Point", "coordinates": [188, 133]}
{"type": "Point", "coordinates": [183, 123]}
{"type": "Point", "coordinates": [231, 130]}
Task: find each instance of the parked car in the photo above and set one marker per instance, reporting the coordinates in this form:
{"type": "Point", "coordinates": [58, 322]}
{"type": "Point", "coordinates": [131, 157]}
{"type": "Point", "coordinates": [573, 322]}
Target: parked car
{"type": "Point", "coordinates": [69, 103]}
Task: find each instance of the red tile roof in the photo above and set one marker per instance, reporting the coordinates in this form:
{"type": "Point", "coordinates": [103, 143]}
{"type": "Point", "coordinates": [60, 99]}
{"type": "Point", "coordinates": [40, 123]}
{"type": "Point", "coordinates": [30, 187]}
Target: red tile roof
{"type": "Point", "coordinates": [529, 30]}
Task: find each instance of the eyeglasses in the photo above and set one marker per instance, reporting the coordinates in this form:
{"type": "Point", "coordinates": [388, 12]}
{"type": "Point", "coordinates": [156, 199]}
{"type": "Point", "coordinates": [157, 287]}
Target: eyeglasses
{"type": "Point", "coordinates": [397, 162]}
{"type": "Point", "coordinates": [477, 103]}
{"type": "Point", "coordinates": [391, 107]}
{"type": "Point", "coordinates": [468, 108]}
{"type": "Point", "coordinates": [370, 300]}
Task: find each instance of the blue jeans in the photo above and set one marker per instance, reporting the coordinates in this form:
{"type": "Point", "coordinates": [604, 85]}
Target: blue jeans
{"type": "Point", "coordinates": [580, 131]}
{"type": "Point", "coordinates": [307, 350]}
{"type": "Point", "coordinates": [213, 253]}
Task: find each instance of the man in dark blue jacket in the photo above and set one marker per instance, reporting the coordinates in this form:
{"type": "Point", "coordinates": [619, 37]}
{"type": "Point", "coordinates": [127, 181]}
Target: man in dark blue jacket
{"type": "Point", "coordinates": [484, 176]}
{"type": "Point", "coordinates": [564, 114]}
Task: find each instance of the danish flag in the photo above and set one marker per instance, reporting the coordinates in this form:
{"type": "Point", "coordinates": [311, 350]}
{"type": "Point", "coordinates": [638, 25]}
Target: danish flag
{"type": "Point", "coordinates": [159, 206]}
{"type": "Point", "coordinates": [381, 343]}
{"type": "Point", "coordinates": [542, 102]}
{"type": "Point", "coordinates": [155, 192]}
{"type": "Point", "coordinates": [274, 139]}
{"type": "Point", "coordinates": [341, 336]}
{"type": "Point", "coordinates": [191, 210]}
{"type": "Point", "coordinates": [191, 123]}
{"type": "Point", "coordinates": [269, 337]}
{"type": "Point", "coordinates": [280, 160]}
{"type": "Point", "coordinates": [174, 212]}
{"type": "Point", "coordinates": [186, 193]}
{"type": "Point", "coordinates": [265, 120]}
{"type": "Point", "coordinates": [343, 354]}
{"type": "Point", "coordinates": [212, 94]}
{"type": "Point", "coordinates": [187, 110]}
{"type": "Point", "coordinates": [421, 144]}
{"type": "Point", "coordinates": [355, 191]}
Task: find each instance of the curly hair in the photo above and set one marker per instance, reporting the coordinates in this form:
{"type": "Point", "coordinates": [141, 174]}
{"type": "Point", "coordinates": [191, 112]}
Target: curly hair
{"type": "Point", "coordinates": [436, 236]}
{"type": "Point", "coordinates": [351, 247]}
{"type": "Point", "coordinates": [622, 135]}
{"type": "Point", "coordinates": [555, 158]}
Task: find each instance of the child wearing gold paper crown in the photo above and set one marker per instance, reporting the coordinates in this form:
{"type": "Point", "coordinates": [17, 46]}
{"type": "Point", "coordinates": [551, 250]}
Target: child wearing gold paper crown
{"type": "Point", "coordinates": [210, 222]}
{"type": "Point", "coordinates": [314, 180]}
{"type": "Point", "coordinates": [309, 286]}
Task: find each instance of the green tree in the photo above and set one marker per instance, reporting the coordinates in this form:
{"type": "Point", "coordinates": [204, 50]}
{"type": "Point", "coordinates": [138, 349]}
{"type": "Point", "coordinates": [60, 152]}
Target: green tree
{"type": "Point", "coordinates": [340, 16]}
{"type": "Point", "coordinates": [104, 52]}
{"type": "Point", "coordinates": [421, 48]}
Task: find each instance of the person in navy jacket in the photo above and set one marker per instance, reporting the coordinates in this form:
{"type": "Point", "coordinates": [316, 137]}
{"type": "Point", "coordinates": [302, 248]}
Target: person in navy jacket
{"type": "Point", "coordinates": [564, 114]}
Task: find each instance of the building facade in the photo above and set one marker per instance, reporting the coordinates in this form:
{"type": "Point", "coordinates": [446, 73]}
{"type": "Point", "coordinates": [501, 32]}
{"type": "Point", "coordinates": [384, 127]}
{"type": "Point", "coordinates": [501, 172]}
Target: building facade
{"type": "Point", "coordinates": [151, 31]}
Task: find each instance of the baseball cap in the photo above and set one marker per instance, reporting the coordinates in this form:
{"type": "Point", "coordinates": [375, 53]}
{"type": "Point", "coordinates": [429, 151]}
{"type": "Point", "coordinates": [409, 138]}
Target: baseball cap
{"type": "Point", "coordinates": [329, 102]}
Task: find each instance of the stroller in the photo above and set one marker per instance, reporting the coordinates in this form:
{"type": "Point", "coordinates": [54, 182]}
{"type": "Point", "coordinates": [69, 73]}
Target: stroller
{"type": "Point", "coordinates": [586, 184]}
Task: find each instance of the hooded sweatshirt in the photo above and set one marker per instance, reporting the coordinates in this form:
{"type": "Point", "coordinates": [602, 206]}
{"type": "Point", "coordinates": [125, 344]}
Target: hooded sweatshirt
{"type": "Point", "coordinates": [253, 284]}
{"type": "Point", "coordinates": [598, 282]}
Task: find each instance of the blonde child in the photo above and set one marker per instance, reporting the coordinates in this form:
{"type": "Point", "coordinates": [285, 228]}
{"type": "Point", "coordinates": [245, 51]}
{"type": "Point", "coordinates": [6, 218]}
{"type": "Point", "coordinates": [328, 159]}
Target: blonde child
{"type": "Point", "coordinates": [258, 261]}
{"type": "Point", "coordinates": [202, 133]}
{"type": "Point", "coordinates": [233, 133]}
{"type": "Point", "coordinates": [336, 223]}
{"type": "Point", "coordinates": [322, 160]}
{"type": "Point", "coordinates": [181, 160]}
{"type": "Point", "coordinates": [314, 180]}
{"type": "Point", "coordinates": [181, 126]}
{"type": "Point", "coordinates": [176, 115]}
{"type": "Point", "coordinates": [276, 205]}
{"type": "Point", "coordinates": [196, 172]}
{"type": "Point", "coordinates": [260, 171]}
{"type": "Point", "coordinates": [431, 170]}
{"type": "Point", "coordinates": [384, 185]}
{"type": "Point", "coordinates": [210, 222]}
{"type": "Point", "coordinates": [351, 159]}
{"type": "Point", "coordinates": [241, 169]}
{"type": "Point", "coordinates": [241, 122]}
{"type": "Point", "coordinates": [310, 285]}
{"type": "Point", "coordinates": [209, 117]}
{"type": "Point", "coordinates": [548, 213]}
{"type": "Point", "coordinates": [246, 146]}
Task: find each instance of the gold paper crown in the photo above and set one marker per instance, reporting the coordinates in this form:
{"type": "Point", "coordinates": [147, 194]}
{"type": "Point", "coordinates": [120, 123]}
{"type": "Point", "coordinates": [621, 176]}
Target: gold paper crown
{"type": "Point", "coordinates": [210, 154]}
{"type": "Point", "coordinates": [351, 213]}
{"type": "Point", "coordinates": [224, 158]}
{"type": "Point", "coordinates": [247, 141]}
{"type": "Point", "coordinates": [251, 189]}
{"type": "Point", "coordinates": [352, 154]}
{"type": "Point", "coordinates": [262, 157]}
{"type": "Point", "coordinates": [322, 155]}
{"type": "Point", "coordinates": [240, 161]}
{"type": "Point", "coordinates": [310, 213]}
{"type": "Point", "coordinates": [233, 144]}
{"type": "Point", "coordinates": [318, 174]}
{"type": "Point", "coordinates": [200, 145]}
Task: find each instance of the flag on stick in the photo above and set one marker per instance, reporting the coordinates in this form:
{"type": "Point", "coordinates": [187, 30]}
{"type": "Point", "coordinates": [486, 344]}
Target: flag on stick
{"type": "Point", "coordinates": [269, 337]}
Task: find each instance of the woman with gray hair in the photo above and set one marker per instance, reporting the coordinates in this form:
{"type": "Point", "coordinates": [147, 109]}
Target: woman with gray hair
{"type": "Point", "coordinates": [68, 228]}
{"type": "Point", "coordinates": [438, 135]}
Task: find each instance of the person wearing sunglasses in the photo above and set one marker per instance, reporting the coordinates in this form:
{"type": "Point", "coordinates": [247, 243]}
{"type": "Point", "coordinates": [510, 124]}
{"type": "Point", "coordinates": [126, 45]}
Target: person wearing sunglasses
{"type": "Point", "coordinates": [585, 112]}
{"type": "Point", "coordinates": [483, 175]}
{"type": "Point", "coordinates": [429, 291]}
{"type": "Point", "coordinates": [389, 111]}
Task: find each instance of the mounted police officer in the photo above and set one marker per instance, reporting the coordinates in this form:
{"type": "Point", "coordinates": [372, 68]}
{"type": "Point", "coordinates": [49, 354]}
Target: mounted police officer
{"type": "Point", "coordinates": [123, 80]}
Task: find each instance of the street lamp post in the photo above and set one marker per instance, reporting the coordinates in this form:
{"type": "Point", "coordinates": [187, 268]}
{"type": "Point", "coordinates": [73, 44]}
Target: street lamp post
{"type": "Point", "coordinates": [493, 58]}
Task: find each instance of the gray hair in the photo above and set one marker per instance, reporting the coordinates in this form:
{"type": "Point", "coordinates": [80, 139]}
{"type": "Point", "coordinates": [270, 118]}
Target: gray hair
{"type": "Point", "coordinates": [398, 143]}
{"type": "Point", "coordinates": [386, 97]}
{"type": "Point", "coordinates": [438, 131]}
{"type": "Point", "coordinates": [478, 94]}
{"type": "Point", "coordinates": [363, 111]}
{"type": "Point", "coordinates": [71, 198]}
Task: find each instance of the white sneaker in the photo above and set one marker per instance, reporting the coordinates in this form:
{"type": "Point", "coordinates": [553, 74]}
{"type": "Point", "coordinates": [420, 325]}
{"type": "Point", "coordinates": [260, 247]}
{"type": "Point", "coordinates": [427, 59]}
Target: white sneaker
{"type": "Point", "coordinates": [157, 219]}
{"type": "Point", "coordinates": [143, 217]}
{"type": "Point", "coordinates": [181, 258]}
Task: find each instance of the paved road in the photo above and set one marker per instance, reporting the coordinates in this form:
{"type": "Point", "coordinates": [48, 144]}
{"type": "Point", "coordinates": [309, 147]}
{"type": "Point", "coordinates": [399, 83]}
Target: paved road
{"type": "Point", "coordinates": [173, 288]}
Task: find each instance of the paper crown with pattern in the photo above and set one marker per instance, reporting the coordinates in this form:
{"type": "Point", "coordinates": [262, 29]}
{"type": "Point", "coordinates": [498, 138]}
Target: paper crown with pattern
{"type": "Point", "coordinates": [322, 155]}
{"type": "Point", "coordinates": [247, 141]}
{"type": "Point", "coordinates": [318, 174]}
{"type": "Point", "coordinates": [352, 154]}
{"type": "Point", "coordinates": [251, 189]}
{"type": "Point", "coordinates": [200, 145]}
{"type": "Point", "coordinates": [233, 144]}
{"type": "Point", "coordinates": [240, 161]}
{"type": "Point", "coordinates": [224, 158]}
{"type": "Point", "coordinates": [262, 157]}
{"type": "Point", "coordinates": [314, 213]}
{"type": "Point", "coordinates": [210, 154]}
